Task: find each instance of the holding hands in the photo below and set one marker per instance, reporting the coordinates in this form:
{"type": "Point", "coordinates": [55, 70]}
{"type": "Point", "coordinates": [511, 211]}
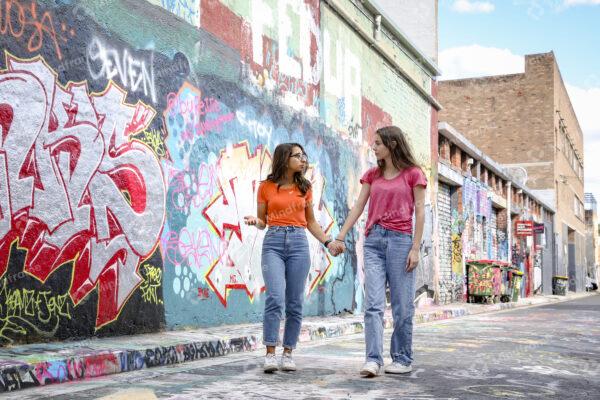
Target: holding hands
{"type": "Point", "coordinates": [336, 247]}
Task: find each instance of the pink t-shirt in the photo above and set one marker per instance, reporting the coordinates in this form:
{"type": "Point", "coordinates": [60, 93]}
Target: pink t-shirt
{"type": "Point", "coordinates": [392, 201]}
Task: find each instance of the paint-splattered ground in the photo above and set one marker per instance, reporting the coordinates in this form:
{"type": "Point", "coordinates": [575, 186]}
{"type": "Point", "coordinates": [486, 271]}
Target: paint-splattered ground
{"type": "Point", "coordinates": [544, 352]}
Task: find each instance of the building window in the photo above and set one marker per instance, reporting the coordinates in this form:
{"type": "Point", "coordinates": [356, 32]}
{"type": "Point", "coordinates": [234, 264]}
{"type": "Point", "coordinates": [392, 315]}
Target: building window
{"type": "Point", "coordinates": [578, 208]}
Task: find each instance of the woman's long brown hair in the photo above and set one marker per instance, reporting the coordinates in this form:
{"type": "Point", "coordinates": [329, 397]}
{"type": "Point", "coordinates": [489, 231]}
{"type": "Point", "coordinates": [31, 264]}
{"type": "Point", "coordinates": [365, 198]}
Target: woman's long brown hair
{"type": "Point", "coordinates": [279, 167]}
{"type": "Point", "coordinates": [394, 139]}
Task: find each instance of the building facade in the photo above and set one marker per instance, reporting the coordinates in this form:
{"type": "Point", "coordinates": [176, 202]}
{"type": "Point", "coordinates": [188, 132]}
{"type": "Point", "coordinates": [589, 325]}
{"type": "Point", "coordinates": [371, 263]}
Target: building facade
{"type": "Point", "coordinates": [526, 123]}
{"type": "Point", "coordinates": [592, 237]}
{"type": "Point", "coordinates": [479, 203]}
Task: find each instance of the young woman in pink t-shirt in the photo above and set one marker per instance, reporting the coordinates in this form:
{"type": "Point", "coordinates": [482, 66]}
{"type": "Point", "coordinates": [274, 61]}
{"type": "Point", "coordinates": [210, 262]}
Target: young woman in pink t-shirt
{"type": "Point", "coordinates": [395, 189]}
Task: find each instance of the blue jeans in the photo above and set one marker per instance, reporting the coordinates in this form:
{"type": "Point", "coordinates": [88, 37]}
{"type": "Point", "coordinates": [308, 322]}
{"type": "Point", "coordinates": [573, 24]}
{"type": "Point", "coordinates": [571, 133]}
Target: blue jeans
{"type": "Point", "coordinates": [386, 253]}
{"type": "Point", "coordinates": [285, 266]}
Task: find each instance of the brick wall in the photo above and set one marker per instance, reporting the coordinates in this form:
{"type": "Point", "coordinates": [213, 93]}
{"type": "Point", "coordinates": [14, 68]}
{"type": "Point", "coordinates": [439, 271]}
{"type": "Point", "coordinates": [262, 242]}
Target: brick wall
{"type": "Point", "coordinates": [505, 115]}
{"type": "Point", "coordinates": [445, 238]}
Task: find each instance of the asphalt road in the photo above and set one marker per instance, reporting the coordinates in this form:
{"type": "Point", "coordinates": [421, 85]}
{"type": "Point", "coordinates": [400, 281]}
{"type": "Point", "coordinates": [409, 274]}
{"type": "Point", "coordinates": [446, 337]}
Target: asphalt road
{"type": "Point", "coordinates": [544, 352]}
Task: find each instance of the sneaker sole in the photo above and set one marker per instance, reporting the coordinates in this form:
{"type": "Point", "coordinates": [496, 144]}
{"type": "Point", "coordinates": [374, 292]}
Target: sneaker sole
{"type": "Point", "coordinates": [368, 374]}
{"type": "Point", "coordinates": [398, 372]}
{"type": "Point", "coordinates": [288, 369]}
{"type": "Point", "coordinates": [269, 370]}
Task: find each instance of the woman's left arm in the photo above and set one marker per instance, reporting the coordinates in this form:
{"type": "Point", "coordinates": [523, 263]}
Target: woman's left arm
{"type": "Point", "coordinates": [314, 228]}
{"type": "Point", "coordinates": [413, 255]}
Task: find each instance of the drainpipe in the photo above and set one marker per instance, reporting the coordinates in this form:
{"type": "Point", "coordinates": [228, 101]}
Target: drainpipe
{"type": "Point", "coordinates": [377, 33]}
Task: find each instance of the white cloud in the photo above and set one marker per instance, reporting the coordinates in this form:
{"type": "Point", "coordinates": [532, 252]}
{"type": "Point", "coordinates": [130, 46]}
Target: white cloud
{"type": "Point", "coordinates": [585, 102]}
{"type": "Point", "coordinates": [569, 3]}
{"type": "Point", "coordinates": [476, 60]}
{"type": "Point", "coordinates": [468, 6]}
{"type": "Point", "coordinates": [536, 9]}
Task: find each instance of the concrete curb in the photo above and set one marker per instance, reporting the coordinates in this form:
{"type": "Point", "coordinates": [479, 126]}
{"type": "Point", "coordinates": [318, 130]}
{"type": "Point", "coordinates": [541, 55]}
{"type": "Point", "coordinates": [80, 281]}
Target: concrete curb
{"type": "Point", "coordinates": [78, 362]}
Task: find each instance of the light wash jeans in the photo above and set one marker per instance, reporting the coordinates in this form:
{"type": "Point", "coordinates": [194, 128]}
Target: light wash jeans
{"type": "Point", "coordinates": [285, 266]}
{"type": "Point", "coordinates": [386, 253]}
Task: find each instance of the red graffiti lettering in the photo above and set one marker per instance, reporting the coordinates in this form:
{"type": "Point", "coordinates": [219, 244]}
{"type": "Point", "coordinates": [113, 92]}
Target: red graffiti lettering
{"type": "Point", "coordinates": [80, 190]}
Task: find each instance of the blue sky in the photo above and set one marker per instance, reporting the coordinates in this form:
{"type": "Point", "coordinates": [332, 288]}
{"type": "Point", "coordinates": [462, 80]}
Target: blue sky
{"type": "Point", "coordinates": [489, 37]}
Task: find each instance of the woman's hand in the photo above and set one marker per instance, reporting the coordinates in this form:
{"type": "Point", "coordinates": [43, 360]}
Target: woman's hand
{"type": "Point", "coordinates": [413, 259]}
{"type": "Point", "coordinates": [253, 221]}
{"type": "Point", "coordinates": [336, 248]}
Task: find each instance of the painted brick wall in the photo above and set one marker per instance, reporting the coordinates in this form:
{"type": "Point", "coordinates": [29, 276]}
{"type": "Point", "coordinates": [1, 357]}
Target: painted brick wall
{"type": "Point", "coordinates": [503, 115]}
{"type": "Point", "coordinates": [445, 240]}
{"type": "Point", "coordinates": [492, 243]}
{"type": "Point", "coordinates": [134, 136]}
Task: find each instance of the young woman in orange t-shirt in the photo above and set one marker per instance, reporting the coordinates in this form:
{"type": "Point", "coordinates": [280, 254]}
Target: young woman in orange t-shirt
{"type": "Point", "coordinates": [285, 205]}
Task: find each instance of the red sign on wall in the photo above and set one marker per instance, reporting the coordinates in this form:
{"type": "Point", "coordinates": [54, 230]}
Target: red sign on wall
{"type": "Point", "coordinates": [524, 228]}
{"type": "Point", "coordinates": [538, 228]}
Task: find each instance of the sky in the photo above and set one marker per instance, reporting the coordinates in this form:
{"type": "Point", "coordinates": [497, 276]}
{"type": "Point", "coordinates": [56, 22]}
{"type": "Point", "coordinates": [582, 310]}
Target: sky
{"type": "Point", "coordinates": [479, 38]}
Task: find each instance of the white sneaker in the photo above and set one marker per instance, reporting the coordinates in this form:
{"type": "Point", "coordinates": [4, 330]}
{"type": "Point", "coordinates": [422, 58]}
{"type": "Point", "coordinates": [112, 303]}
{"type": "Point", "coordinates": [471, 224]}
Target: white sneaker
{"type": "Point", "coordinates": [270, 363]}
{"type": "Point", "coordinates": [397, 368]}
{"type": "Point", "coordinates": [287, 362]}
{"type": "Point", "coordinates": [370, 369]}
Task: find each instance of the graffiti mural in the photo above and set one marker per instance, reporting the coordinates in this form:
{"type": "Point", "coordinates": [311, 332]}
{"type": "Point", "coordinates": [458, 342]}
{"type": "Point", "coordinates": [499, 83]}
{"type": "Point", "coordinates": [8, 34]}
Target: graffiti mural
{"type": "Point", "coordinates": [278, 42]}
{"type": "Point", "coordinates": [60, 208]}
{"type": "Point", "coordinates": [221, 150]}
{"type": "Point", "coordinates": [240, 265]}
{"type": "Point", "coordinates": [189, 10]}
{"type": "Point", "coordinates": [24, 21]}
{"type": "Point", "coordinates": [477, 236]}
{"type": "Point", "coordinates": [133, 73]}
{"type": "Point", "coordinates": [129, 156]}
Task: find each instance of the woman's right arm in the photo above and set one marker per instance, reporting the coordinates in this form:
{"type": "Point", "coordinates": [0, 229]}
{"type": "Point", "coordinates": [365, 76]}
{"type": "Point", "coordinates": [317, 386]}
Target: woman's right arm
{"type": "Point", "coordinates": [356, 211]}
{"type": "Point", "coordinates": [261, 215]}
{"type": "Point", "coordinates": [260, 221]}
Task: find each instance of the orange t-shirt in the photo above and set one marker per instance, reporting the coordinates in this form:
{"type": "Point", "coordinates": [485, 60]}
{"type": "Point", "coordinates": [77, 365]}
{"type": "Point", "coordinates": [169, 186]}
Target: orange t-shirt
{"type": "Point", "coordinates": [285, 207]}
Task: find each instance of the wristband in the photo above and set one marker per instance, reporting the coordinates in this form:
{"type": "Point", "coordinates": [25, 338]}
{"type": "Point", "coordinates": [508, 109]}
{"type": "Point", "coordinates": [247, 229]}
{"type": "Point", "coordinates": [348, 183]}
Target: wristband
{"type": "Point", "coordinates": [326, 243]}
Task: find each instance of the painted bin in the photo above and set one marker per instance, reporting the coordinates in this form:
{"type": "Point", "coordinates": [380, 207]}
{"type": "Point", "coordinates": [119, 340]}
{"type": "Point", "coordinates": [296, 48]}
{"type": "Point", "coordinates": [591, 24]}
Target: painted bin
{"type": "Point", "coordinates": [517, 279]}
{"type": "Point", "coordinates": [559, 285]}
{"type": "Point", "coordinates": [480, 281]}
{"type": "Point", "coordinates": [506, 283]}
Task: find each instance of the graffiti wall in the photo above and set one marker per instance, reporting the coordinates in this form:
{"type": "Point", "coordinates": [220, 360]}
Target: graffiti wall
{"type": "Point", "coordinates": [133, 138]}
{"type": "Point", "coordinates": [82, 195]}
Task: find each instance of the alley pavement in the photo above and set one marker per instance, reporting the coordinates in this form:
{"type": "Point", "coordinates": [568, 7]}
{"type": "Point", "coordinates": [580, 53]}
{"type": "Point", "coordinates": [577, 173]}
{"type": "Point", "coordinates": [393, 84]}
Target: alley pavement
{"type": "Point", "coordinates": [547, 352]}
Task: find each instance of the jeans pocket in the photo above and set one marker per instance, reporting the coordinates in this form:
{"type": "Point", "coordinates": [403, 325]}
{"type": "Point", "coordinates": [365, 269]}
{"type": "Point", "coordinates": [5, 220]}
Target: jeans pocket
{"type": "Point", "coordinates": [299, 236]}
{"type": "Point", "coordinates": [401, 238]}
{"type": "Point", "coordinates": [270, 232]}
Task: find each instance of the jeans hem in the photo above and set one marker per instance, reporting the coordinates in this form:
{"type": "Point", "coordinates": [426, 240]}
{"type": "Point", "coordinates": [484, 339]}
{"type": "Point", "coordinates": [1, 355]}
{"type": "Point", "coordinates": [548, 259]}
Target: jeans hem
{"type": "Point", "coordinates": [273, 344]}
{"type": "Point", "coordinates": [376, 361]}
{"type": "Point", "coordinates": [401, 360]}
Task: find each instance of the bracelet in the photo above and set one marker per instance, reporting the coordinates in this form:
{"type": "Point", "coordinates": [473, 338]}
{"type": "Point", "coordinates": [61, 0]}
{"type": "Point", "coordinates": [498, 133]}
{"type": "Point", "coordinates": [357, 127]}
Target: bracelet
{"type": "Point", "coordinates": [326, 243]}
{"type": "Point", "coordinates": [340, 240]}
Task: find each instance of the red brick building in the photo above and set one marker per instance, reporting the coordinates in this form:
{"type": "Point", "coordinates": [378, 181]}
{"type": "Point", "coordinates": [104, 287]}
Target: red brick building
{"type": "Point", "coordinates": [526, 123]}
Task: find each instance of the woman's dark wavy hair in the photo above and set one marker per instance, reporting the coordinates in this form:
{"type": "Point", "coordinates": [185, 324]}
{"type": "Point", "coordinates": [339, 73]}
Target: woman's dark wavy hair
{"type": "Point", "coordinates": [394, 139]}
{"type": "Point", "coordinates": [279, 167]}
